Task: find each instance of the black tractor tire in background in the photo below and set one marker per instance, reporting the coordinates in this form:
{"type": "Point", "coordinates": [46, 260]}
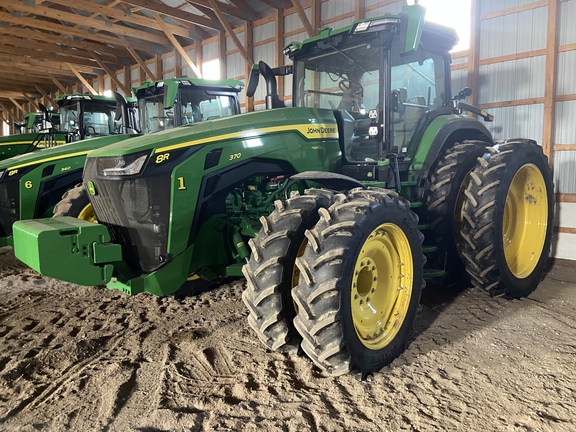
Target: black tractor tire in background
{"type": "Point", "coordinates": [361, 277]}
{"type": "Point", "coordinates": [75, 203]}
{"type": "Point", "coordinates": [445, 200]}
{"type": "Point", "coordinates": [271, 273]}
{"type": "Point", "coordinates": [508, 219]}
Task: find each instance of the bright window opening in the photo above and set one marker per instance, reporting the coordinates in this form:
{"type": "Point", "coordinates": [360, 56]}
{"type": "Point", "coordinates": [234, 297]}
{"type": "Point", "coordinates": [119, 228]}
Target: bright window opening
{"type": "Point", "coordinates": [211, 69]}
{"type": "Point", "coordinates": [451, 13]}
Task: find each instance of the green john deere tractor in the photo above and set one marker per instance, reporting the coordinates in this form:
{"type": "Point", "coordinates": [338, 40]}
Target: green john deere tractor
{"type": "Point", "coordinates": [35, 122]}
{"type": "Point", "coordinates": [38, 131]}
{"type": "Point", "coordinates": [40, 184]}
{"type": "Point", "coordinates": [370, 183]}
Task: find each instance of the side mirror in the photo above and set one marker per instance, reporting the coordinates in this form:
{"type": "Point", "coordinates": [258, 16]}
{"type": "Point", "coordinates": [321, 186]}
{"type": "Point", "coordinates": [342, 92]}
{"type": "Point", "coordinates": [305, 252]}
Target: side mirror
{"type": "Point", "coordinates": [253, 80]}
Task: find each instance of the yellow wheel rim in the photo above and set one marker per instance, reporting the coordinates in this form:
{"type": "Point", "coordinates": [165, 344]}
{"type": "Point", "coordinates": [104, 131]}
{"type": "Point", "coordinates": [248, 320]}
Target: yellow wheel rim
{"type": "Point", "coordinates": [525, 221]}
{"type": "Point", "coordinates": [87, 214]}
{"type": "Point", "coordinates": [382, 286]}
{"type": "Point", "coordinates": [296, 270]}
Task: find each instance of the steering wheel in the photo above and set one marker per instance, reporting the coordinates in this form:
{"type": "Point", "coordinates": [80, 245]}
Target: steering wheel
{"type": "Point", "coordinates": [344, 85]}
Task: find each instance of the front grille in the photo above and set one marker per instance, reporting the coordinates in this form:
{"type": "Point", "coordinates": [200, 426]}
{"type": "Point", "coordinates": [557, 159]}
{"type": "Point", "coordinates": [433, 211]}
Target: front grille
{"type": "Point", "coordinates": [9, 205]}
{"type": "Point", "coordinates": [136, 212]}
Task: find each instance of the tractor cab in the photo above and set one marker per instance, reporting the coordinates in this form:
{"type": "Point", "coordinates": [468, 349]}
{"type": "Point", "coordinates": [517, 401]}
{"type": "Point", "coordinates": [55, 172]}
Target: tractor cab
{"type": "Point", "coordinates": [85, 116]}
{"type": "Point", "coordinates": [176, 102]}
{"type": "Point", "coordinates": [385, 80]}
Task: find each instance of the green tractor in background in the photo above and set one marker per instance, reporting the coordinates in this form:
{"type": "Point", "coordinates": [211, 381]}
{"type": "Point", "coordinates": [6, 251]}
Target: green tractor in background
{"type": "Point", "coordinates": [79, 116]}
{"type": "Point", "coordinates": [35, 122]}
{"type": "Point", "coordinates": [37, 131]}
{"type": "Point", "coordinates": [40, 184]}
{"type": "Point", "coordinates": [371, 183]}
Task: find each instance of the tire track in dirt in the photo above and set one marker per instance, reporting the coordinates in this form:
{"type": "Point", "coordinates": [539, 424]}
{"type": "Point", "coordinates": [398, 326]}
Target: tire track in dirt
{"type": "Point", "coordinates": [85, 358]}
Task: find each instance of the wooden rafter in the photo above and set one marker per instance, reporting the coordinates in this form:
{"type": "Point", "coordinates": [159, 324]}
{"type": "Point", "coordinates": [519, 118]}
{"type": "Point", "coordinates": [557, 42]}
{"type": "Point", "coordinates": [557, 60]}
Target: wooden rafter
{"type": "Point", "coordinates": [178, 47]}
{"type": "Point", "coordinates": [31, 101]}
{"type": "Point", "coordinates": [228, 9]}
{"type": "Point", "coordinates": [47, 98]}
{"type": "Point", "coordinates": [58, 83]}
{"type": "Point", "coordinates": [82, 79]}
{"type": "Point", "coordinates": [98, 25]}
{"type": "Point", "coordinates": [136, 57]}
{"type": "Point", "coordinates": [550, 82]}
{"type": "Point", "coordinates": [108, 12]}
{"type": "Point", "coordinates": [302, 15]}
{"type": "Point", "coordinates": [176, 13]}
{"type": "Point", "coordinates": [125, 89]}
{"type": "Point", "coordinates": [48, 26]}
{"type": "Point", "coordinates": [17, 105]}
{"type": "Point", "coordinates": [230, 31]}
{"type": "Point", "coordinates": [7, 111]}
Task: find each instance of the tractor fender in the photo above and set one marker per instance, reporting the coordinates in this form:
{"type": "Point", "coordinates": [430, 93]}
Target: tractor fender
{"type": "Point", "coordinates": [439, 135]}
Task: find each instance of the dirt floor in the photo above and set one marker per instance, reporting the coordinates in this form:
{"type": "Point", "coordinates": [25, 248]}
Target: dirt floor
{"type": "Point", "coordinates": [88, 359]}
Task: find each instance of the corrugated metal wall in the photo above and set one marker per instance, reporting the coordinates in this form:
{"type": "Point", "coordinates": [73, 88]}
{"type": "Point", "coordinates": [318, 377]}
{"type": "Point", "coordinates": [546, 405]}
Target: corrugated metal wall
{"type": "Point", "coordinates": [514, 56]}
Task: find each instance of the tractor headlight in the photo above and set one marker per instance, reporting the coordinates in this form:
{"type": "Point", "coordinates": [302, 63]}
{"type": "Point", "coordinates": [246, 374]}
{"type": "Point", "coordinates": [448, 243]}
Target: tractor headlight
{"type": "Point", "coordinates": [124, 165]}
{"type": "Point", "coordinates": [1, 174]}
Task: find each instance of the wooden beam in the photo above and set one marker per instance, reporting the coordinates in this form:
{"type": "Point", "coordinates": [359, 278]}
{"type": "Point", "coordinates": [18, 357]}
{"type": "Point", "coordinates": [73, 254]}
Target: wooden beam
{"type": "Point", "coordinates": [44, 55]}
{"type": "Point", "coordinates": [126, 16]}
{"type": "Point", "coordinates": [179, 14]}
{"type": "Point", "coordinates": [564, 147]}
{"type": "Point", "coordinates": [31, 101]}
{"type": "Point", "coordinates": [474, 52]}
{"type": "Point", "coordinates": [59, 43]}
{"type": "Point", "coordinates": [177, 45]}
{"type": "Point", "coordinates": [359, 9]}
{"type": "Point", "coordinates": [228, 9]}
{"type": "Point", "coordinates": [17, 105]}
{"type": "Point", "coordinates": [46, 12]}
{"type": "Point", "coordinates": [230, 32]}
{"type": "Point", "coordinates": [277, 4]}
{"type": "Point", "coordinates": [7, 111]}
{"type": "Point", "coordinates": [112, 76]}
{"type": "Point", "coordinates": [177, 64]}
{"type": "Point", "coordinates": [550, 82]}
{"type": "Point", "coordinates": [82, 79]}
{"type": "Point", "coordinates": [58, 84]}
{"type": "Point", "coordinates": [36, 65]}
{"type": "Point", "coordinates": [136, 57]}
{"type": "Point", "coordinates": [67, 30]}
{"type": "Point", "coordinates": [302, 15]}
{"type": "Point", "coordinates": [222, 55]}
{"type": "Point", "coordinates": [514, 10]}
{"type": "Point", "coordinates": [47, 100]}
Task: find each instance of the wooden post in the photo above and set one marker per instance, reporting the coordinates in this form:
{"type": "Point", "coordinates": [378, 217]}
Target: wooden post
{"type": "Point", "coordinates": [550, 85]}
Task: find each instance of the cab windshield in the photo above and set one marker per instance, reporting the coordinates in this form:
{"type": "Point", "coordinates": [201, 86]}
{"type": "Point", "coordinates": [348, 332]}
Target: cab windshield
{"type": "Point", "coordinates": [90, 118]}
{"type": "Point", "coordinates": [350, 76]}
{"type": "Point", "coordinates": [192, 105]}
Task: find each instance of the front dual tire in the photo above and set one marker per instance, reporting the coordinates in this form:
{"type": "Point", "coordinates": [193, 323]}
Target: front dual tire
{"type": "Point", "coordinates": [346, 288]}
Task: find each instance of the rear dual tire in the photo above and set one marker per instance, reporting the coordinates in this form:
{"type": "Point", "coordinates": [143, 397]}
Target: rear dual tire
{"type": "Point", "coordinates": [508, 219]}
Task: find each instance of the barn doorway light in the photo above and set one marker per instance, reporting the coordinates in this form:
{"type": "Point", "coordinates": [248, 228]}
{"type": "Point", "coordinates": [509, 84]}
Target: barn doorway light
{"type": "Point", "coordinates": [451, 13]}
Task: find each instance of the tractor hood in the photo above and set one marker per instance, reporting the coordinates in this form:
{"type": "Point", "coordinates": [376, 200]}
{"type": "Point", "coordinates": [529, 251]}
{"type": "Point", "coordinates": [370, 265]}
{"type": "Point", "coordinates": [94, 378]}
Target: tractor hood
{"type": "Point", "coordinates": [311, 123]}
{"type": "Point", "coordinates": [24, 138]}
{"type": "Point", "coordinates": [59, 152]}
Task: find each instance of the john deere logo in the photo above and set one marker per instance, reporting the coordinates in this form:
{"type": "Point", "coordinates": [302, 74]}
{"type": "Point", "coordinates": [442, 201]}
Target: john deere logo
{"type": "Point", "coordinates": [91, 188]}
